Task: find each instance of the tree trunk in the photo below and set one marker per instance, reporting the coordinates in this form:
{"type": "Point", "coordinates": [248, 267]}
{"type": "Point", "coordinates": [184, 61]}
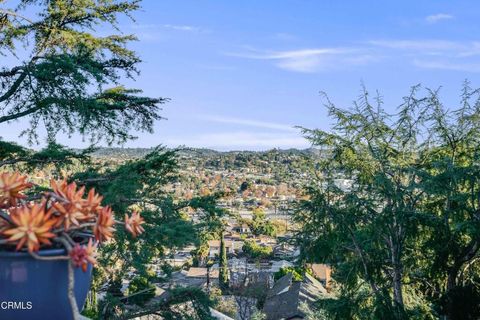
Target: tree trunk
{"type": "Point", "coordinates": [397, 291]}
{"type": "Point", "coordinates": [467, 255]}
{"type": "Point", "coordinates": [397, 274]}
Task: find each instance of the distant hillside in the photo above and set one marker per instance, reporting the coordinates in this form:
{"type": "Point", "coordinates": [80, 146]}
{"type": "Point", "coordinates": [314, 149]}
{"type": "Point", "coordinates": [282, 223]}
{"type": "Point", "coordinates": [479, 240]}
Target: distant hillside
{"type": "Point", "coordinates": [251, 178]}
{"type": "Point", "coordinates": [121, 152]}
{"type": "Point", "coordinates": [129, 153]}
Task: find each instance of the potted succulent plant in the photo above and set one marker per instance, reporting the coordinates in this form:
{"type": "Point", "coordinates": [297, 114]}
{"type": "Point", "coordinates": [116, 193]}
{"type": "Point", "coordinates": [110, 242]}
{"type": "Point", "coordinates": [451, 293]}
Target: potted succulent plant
{"type": "Point", "coordinates": [48, 244]}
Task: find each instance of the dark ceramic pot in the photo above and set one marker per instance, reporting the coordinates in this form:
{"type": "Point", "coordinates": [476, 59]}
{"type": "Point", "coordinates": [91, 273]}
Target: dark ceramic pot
{"type": "Point", "coordinates": [36, 289]}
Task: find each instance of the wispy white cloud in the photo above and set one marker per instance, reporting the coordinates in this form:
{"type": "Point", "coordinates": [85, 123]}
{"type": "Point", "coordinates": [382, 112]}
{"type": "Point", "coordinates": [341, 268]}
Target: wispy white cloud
{"type": "Point", "coordinates": [309, 60]}
{"type": "Point", "coordinates": [473, 49]}
{"type": "Point", "coordinates": [177, 27]}
{"type": "Point", "coordinates": [183, 28]}
{"type": "Point", "coordinates": [456, 49]}
{"type": "Point", "coordinates": [266, 135]}
{"type": "Point", "coordinates": [435, 54]}
{"type": "Point", "coordinates": [421, 53]}
{"type": "Point", "coordinates": [434, 18]}
{"type": "Point", "coordinates": [423, 45]}
{"type": "Point", "coordinates": [448, 65]}
{"type": "Point", "coordinates": [242, 140]}
{"type": "Point", "coordinates": [156, 32]}
{"type": "Point", "coordinates": [293, 54]}
{"type": "Point", "coordinates": [251, 123]}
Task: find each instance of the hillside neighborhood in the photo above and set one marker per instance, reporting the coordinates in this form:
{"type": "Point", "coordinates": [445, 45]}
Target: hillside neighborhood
{"type": "Point", "coordinates": [257, 233]}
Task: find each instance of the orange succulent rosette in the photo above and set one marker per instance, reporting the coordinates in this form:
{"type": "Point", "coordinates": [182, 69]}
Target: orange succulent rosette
{"type": "Point", "coordinates": [31, 227]}
{"type": "Point", "coordinates": [92, 204]}
{"type": "Point", "coordinates": [11, 185]}
{"type": "Point", "coordinates": [81, 256]}
{"type": "Point", "coordinates": [134, 223]}
{"type": "Point", "coordinates": [103, 229]}
{"type": "Point", "coordinates": [73, 208]}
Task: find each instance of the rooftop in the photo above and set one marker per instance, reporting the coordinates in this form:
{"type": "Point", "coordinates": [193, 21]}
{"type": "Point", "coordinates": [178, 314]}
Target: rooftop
{"type": "Point", "coordinates": [202, 273]}
{"type": "Point", "coordinates": [284, 298]}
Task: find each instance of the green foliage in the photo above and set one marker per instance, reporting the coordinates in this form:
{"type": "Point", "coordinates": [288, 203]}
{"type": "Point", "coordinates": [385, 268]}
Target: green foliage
{"type": "Point", "coordinates": [114, 285]}
{"type": "Point", "coordinates": [400, 233]}
{"type": "Point", "coordinates": [297, 273]}
{"type": "Point", "coordinates": [167, 269]}
{"type": "Point", "coordinates": [245, 186]}
{"type": "Point", "coordinates": [169, 308]}
{"type": "Point", "coordinates": [138, 184]}
{"type": "Point", "coordinates": [9, 150]}
{"type": "Point", "coordinates": [52, 156]}
{"type": "Point", "coordinates": [90, 313]}
{"type": "Point", "coordinates": [210, 213]}
{"type": "Point", "coordinates": [108, 306]}
{"type": "Point", "coordinates": [260, 225]}
{"type": "Point", "coordinates": [90, 310]}
{"type": "Point", "coordinates": [140, 291]}
{"type": "Point", "coordinates": [256, 251]}
{"type": "Point", "coordinates": [258, 316]}
{"type": "Point", "coordinates": [227, 307]}
{"type": "Point", "coordinates": [223, 304]}
{"type": "Point", "coordinates": [223, 266]}
{"type": "Point", "coordinates": [210, 226]}
{"type": "Point", "coordinates": [312, 313]}
{"type": "Point", "coordinates": [69, 81]}
{"type": "Point", "coordinates": [200, 254]}
{"type": "Point", "coordinates": [462, 302]}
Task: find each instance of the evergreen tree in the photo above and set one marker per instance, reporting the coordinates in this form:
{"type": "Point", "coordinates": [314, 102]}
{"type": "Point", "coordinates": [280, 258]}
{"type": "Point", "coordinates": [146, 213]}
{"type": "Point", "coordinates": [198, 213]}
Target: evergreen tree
{"type": "Point", "coordinates": [57, 73]}
{"type": "Point", "coordinates": [223, 265]}
{"type": "Point", "coordinates": [403, 235]}
{"type": "Point", "coordinates": [260, 224]}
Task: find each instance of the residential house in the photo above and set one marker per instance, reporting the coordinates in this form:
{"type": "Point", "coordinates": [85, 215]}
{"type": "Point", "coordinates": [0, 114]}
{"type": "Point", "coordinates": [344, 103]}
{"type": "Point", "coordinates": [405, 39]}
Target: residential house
{"type": "Point", "coordinates": [322, 272]}
{"type": "Point", "coordinates": [285, 297]}
{"type": "Point", "coordinates": [179, 259]}
{"type": "Point", "coordinates": [279, 264]}
{"type": "Point", "coordinates": [242, 229]}
{"type": "Point", "coordinates": [258, 279]}
{"type": "Point", "coordinates": [201, 273]}
{"type": "Point", "coordinates": [266, 240]}
{"type": "Point", "coordinates": [218, 315]}
{"type": "Point", "coordinates": [285, 251]}
{"type": "Point", "coordinates": [231, 246]}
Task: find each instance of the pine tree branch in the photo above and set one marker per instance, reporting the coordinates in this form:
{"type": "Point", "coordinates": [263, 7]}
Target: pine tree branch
{"type": "Point", "coordinates": [20, 114]}
{"type": "Point", "coordinates": [15, 14]}
{"type": "Point", "coordinates": [11, 72]}
{"type": "Point", "coordinates": [14, 87]}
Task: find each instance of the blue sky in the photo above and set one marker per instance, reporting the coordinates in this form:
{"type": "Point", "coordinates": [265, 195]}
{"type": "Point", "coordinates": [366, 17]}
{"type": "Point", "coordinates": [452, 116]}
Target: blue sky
{"type": "Point", "coordinates": [242, 74]}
